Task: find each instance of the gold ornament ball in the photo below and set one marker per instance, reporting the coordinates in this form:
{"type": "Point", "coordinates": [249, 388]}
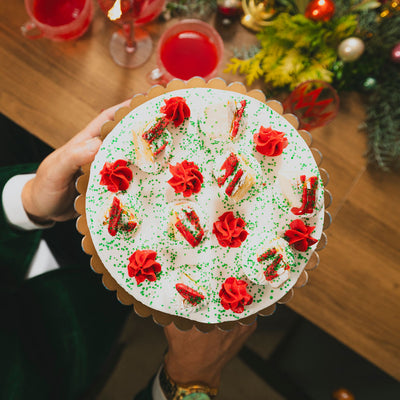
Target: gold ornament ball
{"type": "Point", "coordinates": [351, 49]}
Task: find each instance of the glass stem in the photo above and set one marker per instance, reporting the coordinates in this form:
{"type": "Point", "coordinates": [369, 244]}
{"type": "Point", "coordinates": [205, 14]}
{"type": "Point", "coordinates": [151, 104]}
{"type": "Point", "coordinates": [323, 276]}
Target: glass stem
{"type": "Point", "coordinates": [128, 29]}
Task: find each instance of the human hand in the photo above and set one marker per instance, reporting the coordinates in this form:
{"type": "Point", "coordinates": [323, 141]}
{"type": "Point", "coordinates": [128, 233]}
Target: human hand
{"type": "Point", "coordinates": [50, 195]}
{"type": "Point", "coordinates": [194, 356]}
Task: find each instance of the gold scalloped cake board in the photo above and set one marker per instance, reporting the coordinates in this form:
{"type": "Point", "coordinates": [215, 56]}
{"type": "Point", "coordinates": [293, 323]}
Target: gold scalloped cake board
{"type": "Point", "coordinates": [87, 244]}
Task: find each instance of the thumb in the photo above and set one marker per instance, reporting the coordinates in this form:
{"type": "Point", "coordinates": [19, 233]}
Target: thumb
{"type": "Point", "coordinates": [51, 193]}
{"type": "Point", "coordinates": [65, 162]}
{"type": "Point", "coordinates": [84, 153]}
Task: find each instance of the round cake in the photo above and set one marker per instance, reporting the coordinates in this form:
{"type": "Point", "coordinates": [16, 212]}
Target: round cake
{"type": "Point", "coordinates": [206, 204]}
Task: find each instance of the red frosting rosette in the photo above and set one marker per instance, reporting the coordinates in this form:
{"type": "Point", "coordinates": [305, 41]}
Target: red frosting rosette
{"type": "Point", "coordinates": [116, 176]}
{"type": "Point", "coordinates": [229, 230]}
{"type": "Point", "coordinates": [186, 178]}
{"type": "Point", "coordinates": [143, 265]}
{"type": "Point", "coordinates": [176, 110]}
{"type": "Point", "coordinates": [269, 142]}
{"type": "Point", "coordinates": [234, 295]}
{"type": "Point", "coordinates": [300, 235]}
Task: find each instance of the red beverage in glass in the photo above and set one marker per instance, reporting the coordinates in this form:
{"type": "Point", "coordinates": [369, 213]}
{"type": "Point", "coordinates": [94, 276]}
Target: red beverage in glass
{"type": "Point", "coordinates": [189, 54]}
{"type": "Point", "coordinates": [188, 48]}
{"type": "Point", "coordinates": [57, 19]}
{"type": "Point", "coordinates": [56, 13]}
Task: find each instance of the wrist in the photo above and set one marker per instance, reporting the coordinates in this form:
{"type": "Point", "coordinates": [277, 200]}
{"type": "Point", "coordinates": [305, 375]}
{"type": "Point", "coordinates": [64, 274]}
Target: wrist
{"type": "Point", "coordinates": [186, 372]}
{"type": "Point", "coordinates": [29, 205]}
{"type": "Point", "coordinates": [174, 390]}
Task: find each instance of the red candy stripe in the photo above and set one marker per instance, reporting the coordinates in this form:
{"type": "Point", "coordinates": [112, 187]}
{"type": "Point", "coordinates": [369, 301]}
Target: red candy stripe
{"type": "Point", "coordinates": [191, 295]}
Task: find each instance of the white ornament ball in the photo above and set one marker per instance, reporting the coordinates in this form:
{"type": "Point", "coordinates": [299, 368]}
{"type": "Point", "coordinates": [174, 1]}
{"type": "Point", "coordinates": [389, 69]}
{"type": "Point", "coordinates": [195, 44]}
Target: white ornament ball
{"type": "Point", "coordinates": [351, 49]}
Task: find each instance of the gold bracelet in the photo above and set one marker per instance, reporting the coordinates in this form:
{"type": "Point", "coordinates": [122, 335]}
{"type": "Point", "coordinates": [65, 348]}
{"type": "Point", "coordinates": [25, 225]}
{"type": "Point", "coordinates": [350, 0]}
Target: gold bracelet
{"type": "Point", "coordinates": [176, 391]}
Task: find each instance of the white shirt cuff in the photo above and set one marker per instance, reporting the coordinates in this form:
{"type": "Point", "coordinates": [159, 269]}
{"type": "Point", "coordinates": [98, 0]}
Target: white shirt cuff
{"type": "Point", "coordinates": [12, 204]}
{"type": "Point", "coordinates": [157, 392]}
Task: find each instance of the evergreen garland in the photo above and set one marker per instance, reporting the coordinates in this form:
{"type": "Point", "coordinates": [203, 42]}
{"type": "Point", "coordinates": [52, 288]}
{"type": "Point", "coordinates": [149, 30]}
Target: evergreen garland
{"type": "Point", "coordinates": [383, 121]}
{"type": "Point", "coordinates": [293, 49]}
{"type": "Point", "coordinates": [189, 8]}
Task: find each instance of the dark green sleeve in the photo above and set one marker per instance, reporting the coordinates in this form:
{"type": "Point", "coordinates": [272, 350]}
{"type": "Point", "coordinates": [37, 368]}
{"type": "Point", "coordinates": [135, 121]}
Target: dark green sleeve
{"type": "Point", "coordinates": [17, 247]}
{"type": "Point", "coordinates": [57, 328]}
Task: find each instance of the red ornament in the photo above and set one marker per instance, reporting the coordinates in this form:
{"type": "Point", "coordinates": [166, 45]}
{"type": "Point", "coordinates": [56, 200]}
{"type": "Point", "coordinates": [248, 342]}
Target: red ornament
{"type": "Point", "coordinates": [320, 10]}
{"type": "Point", "coordinates": [395, 56]}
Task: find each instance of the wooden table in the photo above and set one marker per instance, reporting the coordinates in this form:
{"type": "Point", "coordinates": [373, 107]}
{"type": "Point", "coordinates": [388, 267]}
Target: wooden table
{"type": "Point", "coordinates": [53, 89]}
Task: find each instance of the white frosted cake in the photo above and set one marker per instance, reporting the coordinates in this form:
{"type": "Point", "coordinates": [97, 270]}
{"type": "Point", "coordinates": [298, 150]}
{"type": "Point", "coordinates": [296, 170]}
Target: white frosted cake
{"type": "Point", "coordinates": [205, 204]}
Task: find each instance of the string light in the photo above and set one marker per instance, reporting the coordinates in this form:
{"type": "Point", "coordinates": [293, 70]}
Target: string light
{"type": "Point", "coordinates": [394, 6]}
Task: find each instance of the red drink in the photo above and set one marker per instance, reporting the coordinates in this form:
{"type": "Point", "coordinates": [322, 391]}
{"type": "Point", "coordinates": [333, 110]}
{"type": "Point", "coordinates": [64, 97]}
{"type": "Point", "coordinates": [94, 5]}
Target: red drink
{"type": "Point", "coordinates": [189, 53]}
{"type": "Point", "coordinates": [57, 12]}
{"type": "Point", "coordinates": [57, 19]}
{"type": "Point", "coordinates": [188, 48]}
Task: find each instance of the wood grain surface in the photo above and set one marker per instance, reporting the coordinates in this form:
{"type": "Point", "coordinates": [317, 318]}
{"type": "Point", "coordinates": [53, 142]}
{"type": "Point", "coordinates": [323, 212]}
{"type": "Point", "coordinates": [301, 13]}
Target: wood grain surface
{"type": "Point", "coordinates": [53, 89]}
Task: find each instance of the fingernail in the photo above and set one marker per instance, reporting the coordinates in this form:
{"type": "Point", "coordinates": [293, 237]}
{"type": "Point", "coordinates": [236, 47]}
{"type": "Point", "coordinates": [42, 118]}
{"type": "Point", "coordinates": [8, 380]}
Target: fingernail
{"type": "Point", "coordinates": [92, 144]}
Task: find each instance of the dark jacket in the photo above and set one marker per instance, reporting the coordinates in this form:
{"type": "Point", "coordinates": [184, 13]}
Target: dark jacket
{"type": "Point", "coordinates": [56, 329]}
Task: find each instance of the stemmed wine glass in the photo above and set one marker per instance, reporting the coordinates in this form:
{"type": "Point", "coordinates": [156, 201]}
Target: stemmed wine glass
{"type": "Point", "coordinates": [131, 46]}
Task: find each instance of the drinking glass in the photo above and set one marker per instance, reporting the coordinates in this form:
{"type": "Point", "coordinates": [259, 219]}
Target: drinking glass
{"type": "Point", "coordinates": [57, 20]}
{"type": "Point", "coordinates": [188, 48]}
{"type": "Point", "coordinates": [131, 46]}
{"type": "Point", "coordinates": [315, 103]}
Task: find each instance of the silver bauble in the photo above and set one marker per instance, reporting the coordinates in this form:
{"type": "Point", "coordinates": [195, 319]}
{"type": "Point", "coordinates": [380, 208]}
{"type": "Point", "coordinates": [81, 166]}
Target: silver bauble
{"type": "Point", "coordinates": [351, 49]}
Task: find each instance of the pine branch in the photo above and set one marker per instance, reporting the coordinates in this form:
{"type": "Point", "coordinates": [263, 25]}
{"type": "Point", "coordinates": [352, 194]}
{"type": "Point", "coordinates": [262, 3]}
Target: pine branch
{"type": "Point", "coordinates": [294, 49]}
{"type": "Point", "coordinates": [190, 8]}
{"type": "Point", "coordinates": [383, 121]}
